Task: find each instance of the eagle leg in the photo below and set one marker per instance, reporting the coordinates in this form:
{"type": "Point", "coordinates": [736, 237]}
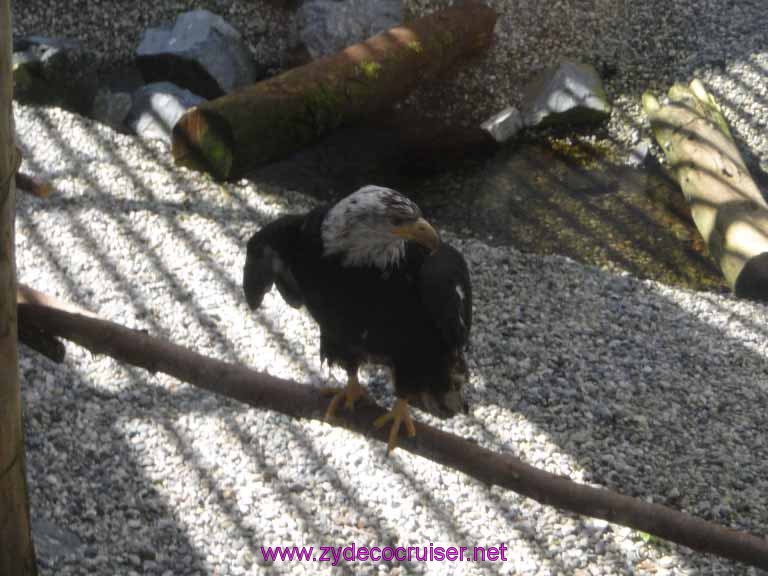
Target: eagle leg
{"type": "Point", "coordinates": [351, 393]}
{"type": "Point", "coordinates": [399, 414]}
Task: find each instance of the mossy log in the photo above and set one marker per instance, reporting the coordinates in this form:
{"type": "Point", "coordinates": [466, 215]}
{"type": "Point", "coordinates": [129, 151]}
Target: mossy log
{"type": "Point", "coordinates": [274, 118]}
{"type": "Point", "coordinates": [726, 204]}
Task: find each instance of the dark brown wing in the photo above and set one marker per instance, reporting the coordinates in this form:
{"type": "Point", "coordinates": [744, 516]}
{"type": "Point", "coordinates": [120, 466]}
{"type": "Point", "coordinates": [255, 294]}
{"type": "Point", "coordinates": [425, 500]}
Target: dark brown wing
{"type": "Point", "coordinates": [446, 292]}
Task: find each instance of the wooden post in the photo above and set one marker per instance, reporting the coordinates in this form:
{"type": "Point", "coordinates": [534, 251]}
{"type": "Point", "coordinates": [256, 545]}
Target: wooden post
{"type": "Point", "coordinates": [17, 554]}
{"type": "Point", "coordinates": [274, 118]}
{"type": "Point", "coordinates": [726, 204]}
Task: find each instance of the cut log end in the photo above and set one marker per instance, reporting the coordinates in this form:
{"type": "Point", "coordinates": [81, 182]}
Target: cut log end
{"type": "Point", "coordinates": [202, 141]}
{"type": "Point", "coordinates": [752, 282]}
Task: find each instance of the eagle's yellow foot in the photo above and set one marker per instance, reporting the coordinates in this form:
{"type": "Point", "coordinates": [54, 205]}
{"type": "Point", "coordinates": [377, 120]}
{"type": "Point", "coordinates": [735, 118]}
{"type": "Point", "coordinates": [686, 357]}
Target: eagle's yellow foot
{"type": "Point", "coordinates": [399, 414]}
{"type": "Point", "coordinates": [351, 393]}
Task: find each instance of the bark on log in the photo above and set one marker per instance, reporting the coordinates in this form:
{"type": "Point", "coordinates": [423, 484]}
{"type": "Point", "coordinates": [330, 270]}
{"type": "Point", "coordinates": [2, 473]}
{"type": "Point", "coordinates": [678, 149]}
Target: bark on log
{"type": "Point", "coordinates": [17, 555]}
{"type": "Point", "coordinates": [726, 204]}
{"type": "Point", "coordinates": [299, 401]}
{"type": "Point", "coordinates": [271, 119]}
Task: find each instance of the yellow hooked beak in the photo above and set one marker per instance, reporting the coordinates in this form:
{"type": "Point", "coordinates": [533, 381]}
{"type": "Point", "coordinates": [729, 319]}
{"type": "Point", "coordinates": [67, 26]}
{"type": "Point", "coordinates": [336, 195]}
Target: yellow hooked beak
{"type": "Point", "coordinates": [419, 231]}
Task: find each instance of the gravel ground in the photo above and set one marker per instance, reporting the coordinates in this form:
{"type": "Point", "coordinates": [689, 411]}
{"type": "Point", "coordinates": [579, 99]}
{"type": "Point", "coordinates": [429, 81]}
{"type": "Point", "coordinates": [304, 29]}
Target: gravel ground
{"type": "Point", "coordinates": [653, 391]}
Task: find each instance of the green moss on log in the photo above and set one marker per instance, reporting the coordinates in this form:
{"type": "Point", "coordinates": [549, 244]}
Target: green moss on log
{"type": "Point", "coordinates": [370, 69]}
{"type": "Point", "coordinates": [415, 46]}
{"type": "Point", "coordinates": [324, 104]}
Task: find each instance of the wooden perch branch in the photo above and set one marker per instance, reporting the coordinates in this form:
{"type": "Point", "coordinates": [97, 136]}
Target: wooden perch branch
{"type": "Point", "coordinates": [36, 338]}
{"type": "Point", "coordinates": [726, 204]}
{"type": "Point", "coordinates": [42, 342]}
{"type": "Point", "coordinates": [299, 401]}
{"type": "Point", "coordinates": [274, 118]}
{"type": "Point", "coordinates": [28, 295]}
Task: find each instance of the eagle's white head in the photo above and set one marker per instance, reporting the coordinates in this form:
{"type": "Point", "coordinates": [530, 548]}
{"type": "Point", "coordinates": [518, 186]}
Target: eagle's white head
{"type": "Point", "coordinates": [370, 227]}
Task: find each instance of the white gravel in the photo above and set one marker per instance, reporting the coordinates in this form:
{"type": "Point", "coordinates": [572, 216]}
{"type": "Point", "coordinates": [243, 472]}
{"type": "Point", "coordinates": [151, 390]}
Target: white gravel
{"type": "Point", "coordinates": [653, 391]}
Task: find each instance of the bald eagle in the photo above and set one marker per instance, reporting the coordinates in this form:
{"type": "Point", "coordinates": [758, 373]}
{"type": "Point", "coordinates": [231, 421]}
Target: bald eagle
{"type": "Point", "coordinates": [383, 288]}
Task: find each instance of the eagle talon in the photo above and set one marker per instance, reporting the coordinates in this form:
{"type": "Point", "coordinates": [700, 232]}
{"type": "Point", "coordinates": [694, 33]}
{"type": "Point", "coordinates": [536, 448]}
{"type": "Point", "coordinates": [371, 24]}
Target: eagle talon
{"type": "Point", "coordinates": [399, 415]}
{"type": "Point", "coordinates": [351, 393]}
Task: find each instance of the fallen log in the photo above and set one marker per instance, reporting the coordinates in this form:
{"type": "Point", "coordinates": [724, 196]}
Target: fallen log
{"type": "Point", "coordinates": [726, 204]}
{"type": "Point", "coordinates": [299, 401]}
{"type": "Point", "coordinates": [271, 119]}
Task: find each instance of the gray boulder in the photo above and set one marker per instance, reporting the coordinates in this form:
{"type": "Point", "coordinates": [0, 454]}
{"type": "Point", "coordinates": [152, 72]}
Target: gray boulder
{"type": "Point", "coordinates": [114, 99]}
{"type": "Point", "coordinates": [156, 109]}
{"type": "Point", "coordinates": [54, 72]}
{"type": "Point", "coordinates": [504, 125]}
{"type": "Point", "coordinates": [200, 52]}
{"type": "Point", "coordinates": [112, 108]}
{"type": "Point", "coordinates": [327, 26]}
{"type": "Point", "coordinates": [569, 93]}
